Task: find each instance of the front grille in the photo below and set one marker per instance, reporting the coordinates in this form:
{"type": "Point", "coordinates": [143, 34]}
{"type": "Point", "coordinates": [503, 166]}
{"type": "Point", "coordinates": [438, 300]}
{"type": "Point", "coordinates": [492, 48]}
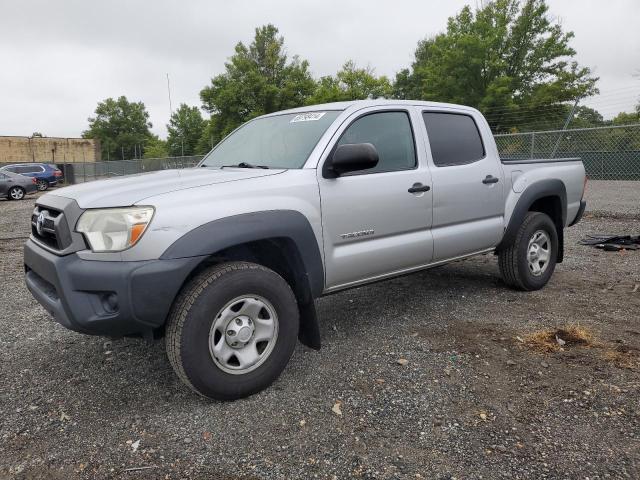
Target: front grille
{"type": "Point", "coordinates": [48, 226]}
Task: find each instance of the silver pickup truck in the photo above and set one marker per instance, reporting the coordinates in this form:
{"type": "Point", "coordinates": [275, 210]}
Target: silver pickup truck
{"type": "Point", "coordinates": [226, 259]}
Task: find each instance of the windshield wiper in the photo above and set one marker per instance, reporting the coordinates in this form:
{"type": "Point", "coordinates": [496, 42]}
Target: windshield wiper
{"type": "Point", "coordinates": [245, 165]}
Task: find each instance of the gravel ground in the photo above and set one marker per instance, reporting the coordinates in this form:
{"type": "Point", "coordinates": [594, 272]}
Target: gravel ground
{"type": "Point", "coordinates": [471, 401]}
{"type": "Point", "coordinates": [610, 197]}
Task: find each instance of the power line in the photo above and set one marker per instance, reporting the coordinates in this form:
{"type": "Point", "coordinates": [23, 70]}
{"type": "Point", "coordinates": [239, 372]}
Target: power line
{"type": "Point", "coordinates": [612, 95]}
{"type": "Point", "coordinates": [533, 106]}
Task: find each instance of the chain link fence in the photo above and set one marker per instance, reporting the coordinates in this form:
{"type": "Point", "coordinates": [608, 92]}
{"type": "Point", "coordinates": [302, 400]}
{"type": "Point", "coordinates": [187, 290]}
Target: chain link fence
{"type": "Point", "coordinates": [80, 172]}
{"type": "Point", "coordinates": [608, 153]}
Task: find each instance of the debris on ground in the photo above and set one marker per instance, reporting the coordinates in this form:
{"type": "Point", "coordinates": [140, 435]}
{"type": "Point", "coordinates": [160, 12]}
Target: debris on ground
{"type": "Point", "coordinates": [612, 243]}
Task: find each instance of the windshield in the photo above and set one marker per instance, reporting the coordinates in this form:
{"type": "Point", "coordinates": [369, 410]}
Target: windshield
{"type": "Point", "coordinates": [281, 141]}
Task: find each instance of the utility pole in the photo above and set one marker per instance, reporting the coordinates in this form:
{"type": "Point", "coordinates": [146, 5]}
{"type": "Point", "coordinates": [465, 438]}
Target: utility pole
{"type": "Point", "coordinates": [564, 127]}
{"type": "Point", "coordinates": [169, 91]}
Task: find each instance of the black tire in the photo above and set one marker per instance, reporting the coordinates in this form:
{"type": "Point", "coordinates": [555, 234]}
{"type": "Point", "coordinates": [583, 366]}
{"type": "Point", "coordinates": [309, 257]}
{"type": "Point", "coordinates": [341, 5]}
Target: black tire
{"type": "Point", "coordinates": [513, 260]}
{"type": "Point", "coordinates": [42, 185]}
{"type": "Point", "coordinates": [194, 312]}
{"type": "Point", "coordinates": [16, 193]}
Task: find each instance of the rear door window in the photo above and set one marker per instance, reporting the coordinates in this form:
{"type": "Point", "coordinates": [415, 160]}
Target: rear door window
{"type": "Point", "coordinates": [454, 138]}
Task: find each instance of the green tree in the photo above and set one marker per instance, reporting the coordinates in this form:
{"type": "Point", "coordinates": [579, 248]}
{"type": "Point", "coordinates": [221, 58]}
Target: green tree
{"type": "Point", "coordinates": [350, 83]}
{"type": "Point", "coordinates": [509, 59]}
{"type": "Point", "coordinates": [626, 118]}
{"type": "Point", "coordinates": [209, 136]}
{"type": "Point", "coordinates": [258, 79]}
{"type": "Point", "coordinates": [156, 148]}
{"type": "Point", "coordinates": [185, 129]}
{"type": "Point", "coordinates": [121, 126]}
{"type": "Point", "coordinates": [586, 117]}
{"type": "Point", "coordinates": [37, 134]}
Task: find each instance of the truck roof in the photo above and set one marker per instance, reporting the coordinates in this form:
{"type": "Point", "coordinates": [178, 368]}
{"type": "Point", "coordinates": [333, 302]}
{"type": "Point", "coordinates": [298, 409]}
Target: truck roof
{"type": "Point", "coordinates": [359, 104]}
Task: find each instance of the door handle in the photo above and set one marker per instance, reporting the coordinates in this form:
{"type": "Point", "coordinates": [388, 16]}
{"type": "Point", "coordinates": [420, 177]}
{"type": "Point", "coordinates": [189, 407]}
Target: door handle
{"type": "Point", "coordinates": [490, 179]}
{"type": "Point", "coordinates": [418, 187]}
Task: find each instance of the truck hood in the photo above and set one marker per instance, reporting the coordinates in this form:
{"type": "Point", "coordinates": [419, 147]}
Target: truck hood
{"type": "Point", "coordinates": [132, 189]}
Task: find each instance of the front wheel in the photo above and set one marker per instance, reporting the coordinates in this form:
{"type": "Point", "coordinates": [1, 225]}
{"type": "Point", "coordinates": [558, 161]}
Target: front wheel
{"type": "Point", "coordinates": [16, 193]}
{"type": "Point", "coordinates": [529, 261]}
{"type": "Point", "coordinates": [232, 330]}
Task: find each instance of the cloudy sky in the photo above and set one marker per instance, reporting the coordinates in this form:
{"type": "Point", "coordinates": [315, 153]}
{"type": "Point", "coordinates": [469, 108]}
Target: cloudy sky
{"type": "Point", "coordinates": [58, 59]}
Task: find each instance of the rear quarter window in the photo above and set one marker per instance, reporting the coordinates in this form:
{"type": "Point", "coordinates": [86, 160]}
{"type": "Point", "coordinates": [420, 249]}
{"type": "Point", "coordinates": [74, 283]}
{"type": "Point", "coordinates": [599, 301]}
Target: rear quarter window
{"type": "Point", "coordinates": [454, 138]}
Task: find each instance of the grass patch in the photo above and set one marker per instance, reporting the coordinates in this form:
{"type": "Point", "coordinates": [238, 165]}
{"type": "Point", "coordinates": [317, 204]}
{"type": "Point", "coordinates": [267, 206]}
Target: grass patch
{"type": "Point", "coordinates": [554, 340]}
{"type": "Point", "coordinates": [622, 357]}
{"type": "Point", "coordinates": [575, 335]}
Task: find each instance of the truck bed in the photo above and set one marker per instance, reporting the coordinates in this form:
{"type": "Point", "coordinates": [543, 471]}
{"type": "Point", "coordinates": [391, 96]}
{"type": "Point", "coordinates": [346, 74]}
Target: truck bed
{"type": "Point", "coordinates": [521, 173]}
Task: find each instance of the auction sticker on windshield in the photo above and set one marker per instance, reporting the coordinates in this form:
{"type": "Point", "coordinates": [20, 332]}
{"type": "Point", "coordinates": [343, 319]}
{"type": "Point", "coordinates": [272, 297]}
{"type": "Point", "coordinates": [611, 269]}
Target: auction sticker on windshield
{"type": "Point", "coordinates": [307, 117]}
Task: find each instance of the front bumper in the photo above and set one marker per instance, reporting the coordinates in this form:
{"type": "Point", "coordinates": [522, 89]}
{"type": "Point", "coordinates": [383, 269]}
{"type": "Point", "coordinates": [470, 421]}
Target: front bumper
{"type": "Point", "coordinates": [105, 298]}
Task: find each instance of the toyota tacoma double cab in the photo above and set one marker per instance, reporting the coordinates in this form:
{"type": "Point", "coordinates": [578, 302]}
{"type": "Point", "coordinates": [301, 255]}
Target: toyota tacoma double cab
{"type": "Point", "coordinates": [225, 260]}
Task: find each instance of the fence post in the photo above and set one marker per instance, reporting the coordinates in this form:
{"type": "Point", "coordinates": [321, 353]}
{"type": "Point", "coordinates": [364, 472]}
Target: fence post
{"type": "Point", "coordinates": [533, 142]}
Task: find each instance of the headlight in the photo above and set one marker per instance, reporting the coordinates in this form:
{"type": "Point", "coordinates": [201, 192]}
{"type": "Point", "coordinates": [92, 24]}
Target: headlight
{"type": "Point", "coordinates": [114, 229]}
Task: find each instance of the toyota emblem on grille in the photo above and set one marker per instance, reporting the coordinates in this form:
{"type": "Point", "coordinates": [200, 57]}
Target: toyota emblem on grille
{"type": "Point", "coordinates": [40, 222]}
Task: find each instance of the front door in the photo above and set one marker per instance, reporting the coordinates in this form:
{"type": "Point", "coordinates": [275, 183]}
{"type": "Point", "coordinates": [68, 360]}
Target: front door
{"type": "Point", "coordinates": [372, 224]}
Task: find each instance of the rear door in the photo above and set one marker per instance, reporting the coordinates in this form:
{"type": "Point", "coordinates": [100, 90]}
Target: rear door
{"type": "Point", "coordinates": [372, 224]}
{"type": "Point", "coordinates": [468, 205]}
{"type": "Point", "coordinates": [26, 170]}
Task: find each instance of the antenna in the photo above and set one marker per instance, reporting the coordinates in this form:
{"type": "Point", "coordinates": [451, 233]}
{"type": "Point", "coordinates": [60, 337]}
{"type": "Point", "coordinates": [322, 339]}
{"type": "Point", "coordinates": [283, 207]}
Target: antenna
{"type": "Point", "coordinates": [169, 90]}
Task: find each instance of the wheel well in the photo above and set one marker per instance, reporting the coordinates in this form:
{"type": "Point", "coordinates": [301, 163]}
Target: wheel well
{"type": "Point", "coordinates": [281, 255]}
{"type": "Point", "coordinates": [278, 254]}
{"type": "Point", "coordinates": [549, 205]}
{"type": "Point", "coordinates": [552, 206]}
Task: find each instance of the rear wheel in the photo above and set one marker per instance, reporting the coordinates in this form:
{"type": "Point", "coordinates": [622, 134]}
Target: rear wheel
{"type": "Point", "coordinates": [529, 262]}
{"type": "Point", "coordinates": [42, 185]}
{"type": "Point", "coordinates": [232, 330]}
{"type": "Point", "coordinates": [16, 193]}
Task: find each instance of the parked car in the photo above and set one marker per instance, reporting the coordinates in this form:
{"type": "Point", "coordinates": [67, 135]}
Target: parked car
{"type": "Point", "coordinates": [46, 174]}
{"type": "Point", "coordinates": [226, 259]}
{"type": "Point", "coordinates": [15, 187]}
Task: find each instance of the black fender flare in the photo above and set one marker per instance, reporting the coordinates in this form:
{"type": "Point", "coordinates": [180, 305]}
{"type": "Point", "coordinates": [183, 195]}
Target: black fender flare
{"type": "Point", "coordinates": [215, 236]}
{"type": "Point", "coordinates": [541, 189]}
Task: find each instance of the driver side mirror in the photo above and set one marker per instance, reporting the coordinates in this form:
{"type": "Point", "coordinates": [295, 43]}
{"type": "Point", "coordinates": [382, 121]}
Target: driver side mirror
{"type": "Point", "coordinates": [351, 157]}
